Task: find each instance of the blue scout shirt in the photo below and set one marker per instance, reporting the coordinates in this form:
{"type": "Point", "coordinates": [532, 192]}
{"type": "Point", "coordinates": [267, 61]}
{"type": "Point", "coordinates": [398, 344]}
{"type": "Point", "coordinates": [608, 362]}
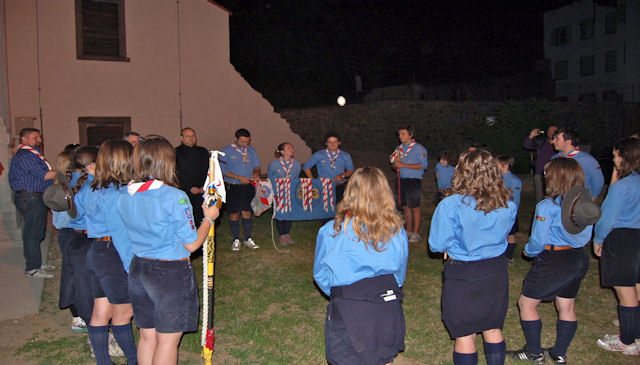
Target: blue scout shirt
{"type": "Point", "coordinates": [276, 170]}
{"type": "Point", "coordinates": [343, 260]}
{"type": "Point", "coordinates": [513, 183]}
{"type": "Point", "coordinates": [159, 221]}
{"type": "Point", "coordinates": [233, 162]}
{"type": "Point", "coordinates": [547, 229]}
{"type": "Point", "coordinates": [103, 220]}
{"type": "Point", "coordinates": [444, 175]}
{"type": "Point", "coordinates": [593, 178]}
{"type": "Point", "coordinates": [79, 223]}
{"type": "Point", "coordinates": [417, 154]}
{"type": "Point", "coordinates": [621, 207]}
{"type": "Point", "coordinates": [468, 234]}
{"type": "Point", "coordinates": [320, 159]}
{"type": "Point", "coordinates": [27, 171]}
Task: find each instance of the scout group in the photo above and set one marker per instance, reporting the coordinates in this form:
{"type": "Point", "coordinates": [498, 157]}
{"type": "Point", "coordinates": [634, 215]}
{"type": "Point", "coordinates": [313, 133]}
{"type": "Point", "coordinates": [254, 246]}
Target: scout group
{"type": "Point", "coordinates": [130, 213]}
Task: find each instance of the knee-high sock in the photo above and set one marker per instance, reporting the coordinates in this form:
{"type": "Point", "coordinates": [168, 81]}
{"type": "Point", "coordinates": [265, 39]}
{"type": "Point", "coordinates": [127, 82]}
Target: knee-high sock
{"type": "Point", "coordinates": [495, 352]}
{"type": "Point", "coordinates": [532, 330]}
{"type": "Point", "coordinates": [124, 337]}
{"type": "Point", "coordinates": [99, 336]}
{"type": "Point", "coordinates": [565, 330]}
{"type": "Point", "coordinates": [247, 227]}
{"type": "Point", "coordinates": [638, 321]}
{"type": "Point", "coordinates": [235, 229]}
{"type": "Point", "coordinates": [465, 359]}
{"type": "Point", "coordinates": [627, 317]}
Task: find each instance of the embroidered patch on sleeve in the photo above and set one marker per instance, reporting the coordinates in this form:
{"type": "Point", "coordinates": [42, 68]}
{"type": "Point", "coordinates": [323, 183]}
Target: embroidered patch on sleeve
{"type": "Point", "coordinates": [187, 211]}
{"type": "Point", "coordinates": [540, 218]}
{"type": "Point", "coordinates": [182, 201]}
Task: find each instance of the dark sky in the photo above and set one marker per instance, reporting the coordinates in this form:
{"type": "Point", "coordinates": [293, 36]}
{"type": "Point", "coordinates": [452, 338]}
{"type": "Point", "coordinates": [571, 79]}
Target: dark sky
{"type": "Point", "coordinates": [304, 52]}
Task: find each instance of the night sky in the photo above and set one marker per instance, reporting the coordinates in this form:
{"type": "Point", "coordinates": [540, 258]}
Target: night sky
{"type": "Point", "coordinates": [301, 53]}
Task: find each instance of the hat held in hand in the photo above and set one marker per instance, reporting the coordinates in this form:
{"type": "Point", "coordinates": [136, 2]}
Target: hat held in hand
{"type": "Point", "coordinates": [579, 210]}
{"type": "Point", "coordinates": [59, 197]}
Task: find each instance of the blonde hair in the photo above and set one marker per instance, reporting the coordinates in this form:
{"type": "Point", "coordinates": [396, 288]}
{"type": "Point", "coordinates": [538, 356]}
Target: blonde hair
{"type": "Point", "coordinates": [155, 158]}
{"type": "Point", "coordinates": [477, 175]}
{"type": "Point", "coordinates": [369, 207]}
{"type": "Point", "coordinates": [114, 164]}
{"type": "Point", "coordinates": [561, 174]}
{"type": "Point", "coordinates": [63, 162]}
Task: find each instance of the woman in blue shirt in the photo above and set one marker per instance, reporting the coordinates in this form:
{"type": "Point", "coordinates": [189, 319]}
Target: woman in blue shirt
{"type": "Point", "coordinates": [284, 166]}
{"type": "Point", "coordinates": [560, 263]}
{"type": "Point", "coordinates": [360, 263]}
{"type": "Point", "coordinates": [617, 242]}
{"type": "Point", "coordinates": [159, 222]}
{"type": "Point", "coordinates": [470, 226]}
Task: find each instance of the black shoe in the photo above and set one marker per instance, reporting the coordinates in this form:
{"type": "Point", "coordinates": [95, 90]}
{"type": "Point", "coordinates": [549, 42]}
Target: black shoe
{"type": "Point", "coordinates": [526, 355]}
{"type": "Point", "coordinates": [560, 359]}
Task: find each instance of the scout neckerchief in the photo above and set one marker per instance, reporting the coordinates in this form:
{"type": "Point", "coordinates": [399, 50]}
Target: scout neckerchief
{"type": "Point", "coordinates": [332, 161]}
{"type": "Point", "coordinates": [573, 153]}
{"type": "Point", "coordinates": [35, 152]}
{"type": "Point", "coordinates": [243, 152]}
{"type": "Point", "coordinates": [287, 171]}
{"type": "Point", "coordinates": [137, 187]}
{"type": "Point", "coordinates": [401, 149]}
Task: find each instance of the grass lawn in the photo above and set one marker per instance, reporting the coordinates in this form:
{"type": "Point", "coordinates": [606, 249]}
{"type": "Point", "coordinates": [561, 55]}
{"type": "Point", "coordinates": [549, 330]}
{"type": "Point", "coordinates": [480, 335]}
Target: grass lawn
{"type": "Point", "coordinates": [268, 310]}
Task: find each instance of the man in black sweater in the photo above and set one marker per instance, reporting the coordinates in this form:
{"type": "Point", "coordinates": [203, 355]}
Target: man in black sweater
{"type": "Point", "coordinates": [192, 163]}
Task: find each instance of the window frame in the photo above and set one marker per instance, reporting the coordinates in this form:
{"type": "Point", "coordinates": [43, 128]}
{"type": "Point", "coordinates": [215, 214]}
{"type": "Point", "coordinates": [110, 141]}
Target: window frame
{"type": "Point", "coordinates": [584, 35]}
{"type": "Point", "coordinates": [583, 65]}
{"type": "Point", "coordinates": [80, 54]}
{"type": "Point", "coordinates": [610, 67]}
{"type": "Point", "coordinates": [84, 123]}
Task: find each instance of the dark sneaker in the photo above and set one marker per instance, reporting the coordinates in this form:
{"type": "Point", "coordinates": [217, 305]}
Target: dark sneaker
{"type": "Point", "coordinates": [560, 359]}
{"type": "Point", "coordinates": [526, 355]}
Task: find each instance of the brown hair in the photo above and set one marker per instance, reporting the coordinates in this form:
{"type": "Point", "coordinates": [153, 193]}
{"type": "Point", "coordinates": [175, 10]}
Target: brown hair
{"type": "Point", "coordinates": [82, 158]}
{"type": "Point", "coordinates": [477, 175]}
{"type": "Point", "coordinates": [280, 148]}
{"type": "Point", "coordinates": [63, 160]}
{"type": "Point", "coordinates": [506, 160]}
{"type": "Point", "coordinates": [369, 207]}
{"type": "Point", "coordinates": [629, 151]}
{"type": "Point", "coordinates": [113, 165]}
{"type": "Point", "coordinates": [155, 158]}
{"type": "Point", "coordinates": [561, 174]}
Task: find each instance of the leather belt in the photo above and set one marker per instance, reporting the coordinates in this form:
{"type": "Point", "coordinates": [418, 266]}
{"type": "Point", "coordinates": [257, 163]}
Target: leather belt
{"type": "Point", "coordinates": [557, 248]}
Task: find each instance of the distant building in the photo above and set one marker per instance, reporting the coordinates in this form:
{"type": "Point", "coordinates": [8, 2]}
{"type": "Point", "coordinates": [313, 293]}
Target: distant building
{"type": "Point", "coordinates": [594, 50]}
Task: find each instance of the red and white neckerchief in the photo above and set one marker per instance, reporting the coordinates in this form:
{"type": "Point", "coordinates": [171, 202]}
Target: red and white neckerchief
{"type": "Point", "coordinates": [243, 152]}
{"type": "Point", "coordinates": [287, 171]}
{"type": "Point", "coordinates": [137, 187]}
{"type": "Point", "coordinates": [35, 152]}
{"type": "Point", "coordinates": [332, 161]}
{"type": "Point", "coordinates": [409, 148]}
{"type": "Point", "coordinates": [573, 153]}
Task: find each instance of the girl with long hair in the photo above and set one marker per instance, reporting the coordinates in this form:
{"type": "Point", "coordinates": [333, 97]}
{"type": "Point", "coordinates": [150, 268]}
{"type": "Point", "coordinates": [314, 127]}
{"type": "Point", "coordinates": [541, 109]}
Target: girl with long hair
{"type": "Point", "coordinates": [617, 243]}
{"type": "Point", "coordinates": [284, 166]}
{"type": "Point", "coordinates": [562, 226]}
{"type": "Point", "coordinates": [159, 222]}
{"type": "Point", "coordinates": [106, 230]}
{"type": "Point", "coordinates": [361, 263]}
{"type": "Point", "coordinates": [470, 226]}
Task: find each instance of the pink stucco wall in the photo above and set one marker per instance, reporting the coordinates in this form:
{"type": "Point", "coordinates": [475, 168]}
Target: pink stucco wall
{"type": "Point", "coordinates": [216, 100]}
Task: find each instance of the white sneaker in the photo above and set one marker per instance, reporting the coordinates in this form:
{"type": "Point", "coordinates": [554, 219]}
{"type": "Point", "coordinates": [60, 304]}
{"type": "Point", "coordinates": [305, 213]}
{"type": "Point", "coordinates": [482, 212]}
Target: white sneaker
{"type": "Point", "coordinates": [249, 243]}
{"type": "Point", "coordinates": [235, 246]}
{"type": "Point", "coordinates": [78, 325]}
{"type": "Point", "coordinates": [47, 267]}
{"type": "Point", "coordinates": [415, 237]}
{"type": "Point", "coordinates": [613, 343]}
{"type": "Point", "coordinates": [39, 274]}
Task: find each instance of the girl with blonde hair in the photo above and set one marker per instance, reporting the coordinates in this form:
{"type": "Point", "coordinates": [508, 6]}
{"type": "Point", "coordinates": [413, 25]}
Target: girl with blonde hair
{"type": "Point", "coordinates": [470, 226]}
{"type": "Point", "coordinates": [360, 263]}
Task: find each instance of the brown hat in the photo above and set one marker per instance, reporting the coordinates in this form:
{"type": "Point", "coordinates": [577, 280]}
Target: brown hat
{"type": "Point", "coordinates": [59, 197]}
{"type": "Point", "coordinates": [579, 210]}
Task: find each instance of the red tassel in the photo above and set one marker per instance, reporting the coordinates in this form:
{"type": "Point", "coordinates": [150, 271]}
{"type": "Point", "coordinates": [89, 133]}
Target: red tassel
{"type": "Point", "coordinates": [211, 339]}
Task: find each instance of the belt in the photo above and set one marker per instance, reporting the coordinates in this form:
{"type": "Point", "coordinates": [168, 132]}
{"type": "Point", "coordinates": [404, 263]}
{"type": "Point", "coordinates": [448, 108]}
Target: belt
{"type": "Point", "coordinates": [557, 248]}
{"type": "Point", "coordinates": [147, 258]}
{"type": "Point", "coordinates": [81, 231]}
{"type": "Point", "coordinates": [29, 192]}
{"type": "Point", "coordinates": [104, 239]}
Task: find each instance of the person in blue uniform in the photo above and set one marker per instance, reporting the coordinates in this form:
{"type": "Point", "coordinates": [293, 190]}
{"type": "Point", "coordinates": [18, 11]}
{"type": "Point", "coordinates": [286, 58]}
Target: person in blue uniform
{"type": "Point", "coordinates": [361, 263]}
{"type": "Point", "coordinates": [470, 226]}
{"type": "Point", "coordinates": [617, 242]}
{"type": "Point", "coordinates": [332, 163]}
{"type": "Point", "coordinates": [240, 166]}
{"type": "Point", "coordinates": [79, 244]}
{"type": "Point", "coordinates": [444, 173]}
{"type": "Point", "coordinates": [562, 226]}
{"type": "Point", "coordinates": [514, 184]}
{"type": "Point", "coordinates": [410, 159]}
{"type": "Point", "coordinates": [159, 221]}
{"type": "Point", "coordinates": [567, 142]}
{"type": "Point", "coordinates": [109, 281]}
{"type": "Point", "coordinates": [284, 166]}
